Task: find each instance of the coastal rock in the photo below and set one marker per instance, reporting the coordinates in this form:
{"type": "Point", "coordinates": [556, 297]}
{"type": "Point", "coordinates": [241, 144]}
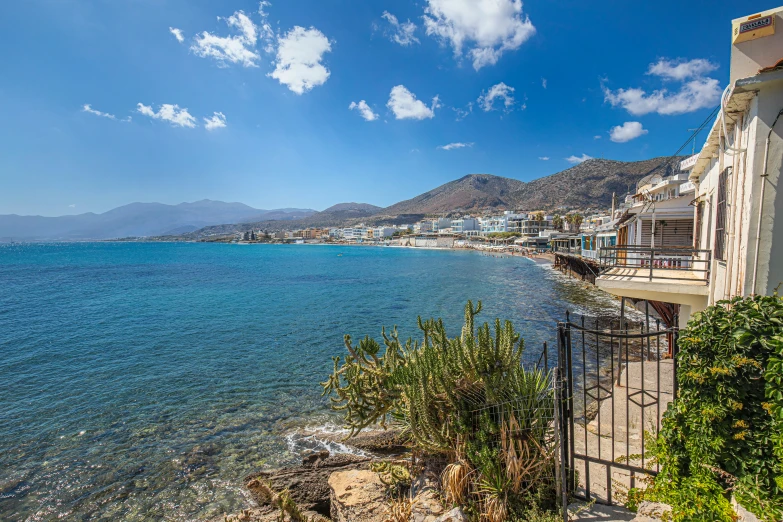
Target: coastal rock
{"type": "Point", "coordinates": [382, 442]}
{"type": "Point", "coordinates": [455, 515]}
{"type": "Point", "coordinates": [743, 514]}
{"type": "Point", "coordinates": [357, 496]}
{"type": "Point", "coordinates": [308, 484]}
{"type": "Point", "coordinates": [652, 512]}
{"type": "Point", "coordinates": [268, 514]}
{"type": "Point", "coordinates": [427, 505]}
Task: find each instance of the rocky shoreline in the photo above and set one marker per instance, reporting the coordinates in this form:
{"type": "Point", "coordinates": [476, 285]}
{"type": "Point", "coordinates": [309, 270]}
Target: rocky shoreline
{"type": "Point", "coordinates": [343, 487]}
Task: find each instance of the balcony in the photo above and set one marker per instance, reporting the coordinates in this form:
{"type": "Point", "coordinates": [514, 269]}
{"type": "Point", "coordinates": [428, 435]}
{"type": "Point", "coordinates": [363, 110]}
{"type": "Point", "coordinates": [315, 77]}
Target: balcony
{"type": "Point", "coordinates": [656, 264]}
{"type": "Point", "coordinates": [668, 274]}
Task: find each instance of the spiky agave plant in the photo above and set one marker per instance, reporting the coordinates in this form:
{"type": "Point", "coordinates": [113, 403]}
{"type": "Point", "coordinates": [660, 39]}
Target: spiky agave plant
{"type": "Point", "coordinates": [456, 397]}
{"type": "Point", "coordinates": [431, 385]}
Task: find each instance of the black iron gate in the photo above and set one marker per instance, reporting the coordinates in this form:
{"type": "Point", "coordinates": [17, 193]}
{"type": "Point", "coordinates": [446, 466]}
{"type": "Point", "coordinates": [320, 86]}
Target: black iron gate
{"type": "Point", "coordinates": [618, 376]}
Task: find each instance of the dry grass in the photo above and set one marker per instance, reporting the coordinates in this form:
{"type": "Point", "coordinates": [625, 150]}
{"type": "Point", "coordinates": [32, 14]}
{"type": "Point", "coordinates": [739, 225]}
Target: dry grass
{"type": "Point", "coordinates": [398, 510]}
{"type": "Point", "coordinates": [455, 479]}
{"type": "Point", "coordinates": [495, 509]}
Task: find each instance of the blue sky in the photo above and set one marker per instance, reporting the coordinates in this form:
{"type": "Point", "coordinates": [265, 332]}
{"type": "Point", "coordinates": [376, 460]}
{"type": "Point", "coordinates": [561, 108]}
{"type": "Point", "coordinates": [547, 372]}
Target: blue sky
{"type": "Point", "coordinates": [241, 101]}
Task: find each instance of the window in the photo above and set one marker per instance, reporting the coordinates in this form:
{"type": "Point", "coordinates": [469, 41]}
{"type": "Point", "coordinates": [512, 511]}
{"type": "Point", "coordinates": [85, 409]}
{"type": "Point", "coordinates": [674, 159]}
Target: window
{"type": "Point", "coordinates": [699, 223]}
{"type": "Point", "coordinates": [720, 217]}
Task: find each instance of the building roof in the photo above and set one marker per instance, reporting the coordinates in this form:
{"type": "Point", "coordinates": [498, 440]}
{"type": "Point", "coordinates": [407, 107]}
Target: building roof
{"type": "Point", "coordinates": [741, 93]}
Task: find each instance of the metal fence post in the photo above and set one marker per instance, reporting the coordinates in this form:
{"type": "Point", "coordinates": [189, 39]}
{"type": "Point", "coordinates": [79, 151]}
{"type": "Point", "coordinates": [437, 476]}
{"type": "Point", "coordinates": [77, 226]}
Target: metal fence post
{"type": "Point", "coordinates": [652, 257]}
{"type": "Point", "coordinates": [560, 419]}
{"type": "Point", "coordinates": [675, 350]}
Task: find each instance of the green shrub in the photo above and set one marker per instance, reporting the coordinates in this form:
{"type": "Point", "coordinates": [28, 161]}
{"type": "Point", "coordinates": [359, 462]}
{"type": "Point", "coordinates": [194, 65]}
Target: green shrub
{"type": "Point", "coordinates": [717, 436]}
{"type": "Point", "coordinates": [467, 398]}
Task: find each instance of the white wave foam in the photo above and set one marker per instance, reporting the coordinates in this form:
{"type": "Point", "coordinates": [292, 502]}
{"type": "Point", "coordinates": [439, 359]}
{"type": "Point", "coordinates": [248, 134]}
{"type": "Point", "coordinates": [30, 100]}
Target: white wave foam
{"type": "Point", "coordinates": [319, 438]}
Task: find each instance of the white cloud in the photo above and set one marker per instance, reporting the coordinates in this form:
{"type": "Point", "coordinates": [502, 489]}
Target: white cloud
{"type": "Point", "coordinates": [543, 83]}
{"type": "Point", "coordinates": [72, 205]}
{"type": "Point", "coordinates": [298, 64]}
{"type": "Point", "coordinates": [170, 113]}
{"type": "Point", "coordinates": [692, 96]}
{"type": "Point", "coordinates": [578, 159]}
{"type": "Point", "coordinates": [457, 145]}
{"type": "Point", "coordinates": [217, 121]}
{"type": "Point", "coordinates": [597, 137]}
{"type": "Point", "coordinates": [88, 108]}
{"type": "Point", "coordinates": [502, 91]}
{"type": "Point", "coordinates": [681, 69]}
{"type": "Point", "coordinates": [177, 34]}
{"type": "Point", "coordinates": [404, 105]}
{"type": "Point", "coordinates": [544, 158]}
{"type": "Point", "coordinates": [630, 130]}
{"type": "Point", "coordinates": [402, 33]}
{"type": "Point", "coordinates": [463, 113]}
{"type": "Point", "coordinates": [265, 28]}
{"type": "Point", "coordinates": [699, 92]}
{"type": "Point", "coordinates": [238, 48]}
{"type": "Point", "coordinates": [487, 28]}
{"type": "Point", "coordinates": [364, 109]}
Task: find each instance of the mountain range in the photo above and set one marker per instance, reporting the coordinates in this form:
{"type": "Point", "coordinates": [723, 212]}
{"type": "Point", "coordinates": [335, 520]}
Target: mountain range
{"type": "Point", "coordinates": [589, 184]}
{"type": "Point", "coordinates": [139, 220]}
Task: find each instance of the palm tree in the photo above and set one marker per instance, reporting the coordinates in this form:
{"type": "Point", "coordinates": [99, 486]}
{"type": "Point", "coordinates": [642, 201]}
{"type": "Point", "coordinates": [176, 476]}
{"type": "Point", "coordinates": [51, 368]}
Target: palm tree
{"type": "Point", "coordinates": [557, 222]}
{"type": "Point", "coordinates": [577, 220]}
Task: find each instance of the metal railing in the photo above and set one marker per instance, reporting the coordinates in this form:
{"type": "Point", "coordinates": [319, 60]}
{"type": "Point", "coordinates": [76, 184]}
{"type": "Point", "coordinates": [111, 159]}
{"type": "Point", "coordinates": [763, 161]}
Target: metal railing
{"type": "Point", "coordinates": [574, 250]}
{"type": "Point", "coordinates": [674, 263]}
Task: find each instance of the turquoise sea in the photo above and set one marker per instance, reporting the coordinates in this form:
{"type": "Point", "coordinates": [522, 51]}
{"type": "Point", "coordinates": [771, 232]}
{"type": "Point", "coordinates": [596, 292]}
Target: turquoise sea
{"type": "Point", "coordinates": [143, 381]}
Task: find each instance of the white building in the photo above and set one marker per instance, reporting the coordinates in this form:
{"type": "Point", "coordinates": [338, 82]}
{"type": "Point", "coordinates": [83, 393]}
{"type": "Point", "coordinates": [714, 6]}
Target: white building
{"type": "Point", "coordinates": [464, 225]}
{"type": "Point", "coordinates": [736, 245]}
{"type": "Point", "coordinates": [355, 233]}
{"type": "Point", "coordinates": [422, 227]}
{"type": "Point", "coordinates": [440, 224]}
{"type": "Point", "coordinates": [382, 232]}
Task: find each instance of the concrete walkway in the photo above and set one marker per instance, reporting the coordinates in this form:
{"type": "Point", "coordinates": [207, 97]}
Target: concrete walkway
{"type": "Point", "coordinates": [579, 512]}
{"type": "Point", "coordinates": [634, 406]}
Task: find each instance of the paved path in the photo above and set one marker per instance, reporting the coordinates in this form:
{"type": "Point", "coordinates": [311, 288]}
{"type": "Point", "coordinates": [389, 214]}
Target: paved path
{"type": "Point", "coordinates": [579, 512]}
{"type": "Point", "coordinates": [634, 406]}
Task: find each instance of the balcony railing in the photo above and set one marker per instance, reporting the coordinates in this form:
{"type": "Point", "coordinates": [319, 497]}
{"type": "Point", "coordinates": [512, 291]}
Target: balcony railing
{"type": "Point", "coordinates": [673, 263]}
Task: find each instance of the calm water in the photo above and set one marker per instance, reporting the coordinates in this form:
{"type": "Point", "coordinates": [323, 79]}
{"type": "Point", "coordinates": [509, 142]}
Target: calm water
{"type": "Point", "coordinates": [143, 381]}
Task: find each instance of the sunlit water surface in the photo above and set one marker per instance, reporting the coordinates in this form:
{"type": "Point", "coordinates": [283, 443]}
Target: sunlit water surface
{"type": "Point", "coordinates": [144, 381]}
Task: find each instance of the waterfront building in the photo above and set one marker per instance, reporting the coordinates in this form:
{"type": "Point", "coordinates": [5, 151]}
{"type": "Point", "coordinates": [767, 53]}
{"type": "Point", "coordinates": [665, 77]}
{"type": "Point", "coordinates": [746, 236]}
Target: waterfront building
{"type": "Point", "coordinates": [440, 224]}
{"type": "Point", "coordinates": [499, 223]}
{"type": "Point", "coordinates": [720, 238]}
{"type": "Point", "coordinates": [464, 225]}
{"type": "Point", "coordinates": [534, 223]}
{"type": "Point", "coordinates": [566, 243]}
{"type": "Point", "coordinates": [381, 232]}
{"type": "Point", "coordinates": [422, 227]}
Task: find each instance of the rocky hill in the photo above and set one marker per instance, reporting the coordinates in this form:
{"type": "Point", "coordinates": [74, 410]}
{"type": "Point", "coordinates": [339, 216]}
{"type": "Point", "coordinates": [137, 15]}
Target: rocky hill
{"type": "Point", "coordinates": [470, 193]}
{"type": "Point", "coordinates": [589, 184]}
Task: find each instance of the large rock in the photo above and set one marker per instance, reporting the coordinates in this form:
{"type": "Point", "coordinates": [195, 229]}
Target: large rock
{"type": "Point", "coordinates": [357, 496]}
{"type": "Point", "coordinates": [653, 512]}
{"type": "Point", "coordinates": [308, 484]}
{"type": "Point", "coordinates": [379, 442]}
{"type": "Point", "coordinates": [426, 507]}
{"type": "Point", "coordinates": [743, 514]}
